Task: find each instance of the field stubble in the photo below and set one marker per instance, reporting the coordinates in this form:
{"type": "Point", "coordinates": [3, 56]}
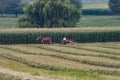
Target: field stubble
{"type": "Point", "coordinates": [66, 57]}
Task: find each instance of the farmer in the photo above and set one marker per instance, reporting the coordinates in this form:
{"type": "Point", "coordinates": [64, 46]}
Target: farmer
{"type": "Point", "coordinates": [64, 40]}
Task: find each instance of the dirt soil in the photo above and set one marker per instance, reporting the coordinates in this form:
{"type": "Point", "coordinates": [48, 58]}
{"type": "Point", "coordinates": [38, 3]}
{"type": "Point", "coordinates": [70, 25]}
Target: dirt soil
{"type": "Point", "coordinates": [23, 75]}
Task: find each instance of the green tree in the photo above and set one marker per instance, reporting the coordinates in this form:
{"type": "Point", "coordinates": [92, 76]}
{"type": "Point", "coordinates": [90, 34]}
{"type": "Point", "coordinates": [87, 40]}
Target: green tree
{"type": "Point", "coordinates": [14, 6]}
{"type": "Point", "coordinates": [114, 6]}
{"type": "Point", "coordinates": [3, 6]}
{"type": "Point", "coordinates": [10, 6]}
{"type": "Point", "coordinates": [78, 3]}
{"type": "Point", "coordinates": [50, 13]}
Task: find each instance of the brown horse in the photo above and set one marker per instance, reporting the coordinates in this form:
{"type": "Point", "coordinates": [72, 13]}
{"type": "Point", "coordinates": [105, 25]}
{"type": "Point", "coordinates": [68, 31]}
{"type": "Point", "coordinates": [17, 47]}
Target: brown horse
{"type": "Point", "coordinates": [70, 41]}
{"type": "Point", "coordinates": [44, 40]}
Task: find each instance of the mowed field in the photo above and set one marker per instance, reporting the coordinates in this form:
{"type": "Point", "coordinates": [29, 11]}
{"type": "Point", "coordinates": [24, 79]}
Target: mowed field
{"type": "Point", "coordinates": [88, 61]}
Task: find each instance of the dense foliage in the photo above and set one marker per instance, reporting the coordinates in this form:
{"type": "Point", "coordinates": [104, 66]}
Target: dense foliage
{"type": "Point", "coordinates": [78, 3]}
{"type": "Point", "coordinates": [30, 37]}
{"type": "Point", "coordinates": [50, 13]}
{"type": "Point", "coordinates": [11, 6]}
{"type": "Point", "coordinates": [96, 12]}
{"type": "Point", "coordinates": [114, 6]}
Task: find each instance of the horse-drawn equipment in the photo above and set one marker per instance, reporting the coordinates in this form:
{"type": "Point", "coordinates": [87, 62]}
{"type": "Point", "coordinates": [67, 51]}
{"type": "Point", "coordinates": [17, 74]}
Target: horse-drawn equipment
{"type": "Point", "coordinates": [68, 41]}
{"type": "Point", "coordinates": [48, 40]}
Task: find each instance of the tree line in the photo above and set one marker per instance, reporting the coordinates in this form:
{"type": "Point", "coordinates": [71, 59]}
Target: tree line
{"type": "Point", "coordinates": [16, 6]}
{"type": "Point", "coordinates": [114, 6]}
{"type": "Point", "coordinates": [11, 7]}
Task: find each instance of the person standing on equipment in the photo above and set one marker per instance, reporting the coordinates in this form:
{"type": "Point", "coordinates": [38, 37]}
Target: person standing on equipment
{"type": "Point", "coordinates": [64, 40]}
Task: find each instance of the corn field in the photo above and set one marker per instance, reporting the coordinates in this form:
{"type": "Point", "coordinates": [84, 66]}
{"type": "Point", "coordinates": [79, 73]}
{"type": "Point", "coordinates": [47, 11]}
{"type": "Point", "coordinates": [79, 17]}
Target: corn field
{"type": "Point", "coordinates": [80, 35]}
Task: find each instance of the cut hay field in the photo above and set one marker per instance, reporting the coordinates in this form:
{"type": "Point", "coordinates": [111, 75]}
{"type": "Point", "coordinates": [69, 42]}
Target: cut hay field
{"type": "Point", "coordinates": [88, 61]}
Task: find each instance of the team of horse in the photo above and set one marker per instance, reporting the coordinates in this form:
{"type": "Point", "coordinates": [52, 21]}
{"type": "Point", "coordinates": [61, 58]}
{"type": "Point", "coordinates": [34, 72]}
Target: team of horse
{"type": "Point", "coordinates": [48, 40]}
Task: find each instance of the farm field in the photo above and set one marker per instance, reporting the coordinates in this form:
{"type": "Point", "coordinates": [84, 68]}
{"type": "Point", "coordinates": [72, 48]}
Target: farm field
{"type": "Point", "coordinates": [95, 6]}
{"type": "Point", "coordinates": [95, 56]}
{"type": "Point", "coordinates": [9, 77]}
{"type": "Point", "coordinates": [85, 61]}
{"type": "Point", "coordinates": [99, 21]}
{"type": "Point", "coordinates": [86, 21]}
{"type": "Point", "coordinates": [8, 22]}
{"type": "Point", "coordinates": [87, 4]}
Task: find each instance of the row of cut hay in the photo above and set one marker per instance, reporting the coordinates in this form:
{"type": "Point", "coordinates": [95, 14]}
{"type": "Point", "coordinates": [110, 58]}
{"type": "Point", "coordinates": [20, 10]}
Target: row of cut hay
{"type": "Point", "coordinates": [79, 54]}
{"type": "Point", "coordinates": [115, 46]}
{"type": "Point", "coordinates": [111, 51]}
{"type": "Point", "coordinates": [57, 49]}
{"type": "Point", "coordinates": [56, 61]}
{"type": "Point", "coordinates": [77, 74]}
{"type": "Point", "coordinates": [9, 77]}
{"type": "Point", "coordinates": [30, 38]}
{"type": "Point", "coordinates": [52, 50]}
{"type": "Point", "coordinates": [81, 59]}
{"type": "Point", "coordinates": [17, 66]}
{"type": "Point", "coordinates": [103, 70]}
{"type": "Point", "coordinates": [31, 63]}
{"type": "Point", "coordinates": [44, 59]}
{"type": "Point", "coordinates": [110, 71]}
{"type": "Point", "coordinates": [77, 50]}
{"type": "Point", "coordinates": [40, 49]}
{"type": "Point", "coordinates": [99, 49]}
{"type": "Point", "coordinates": [103, 50]}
